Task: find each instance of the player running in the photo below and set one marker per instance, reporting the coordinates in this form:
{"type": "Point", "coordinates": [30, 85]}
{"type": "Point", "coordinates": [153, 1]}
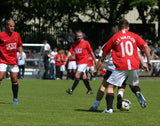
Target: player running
{"type": "Point", "coordinates": [81, 48]}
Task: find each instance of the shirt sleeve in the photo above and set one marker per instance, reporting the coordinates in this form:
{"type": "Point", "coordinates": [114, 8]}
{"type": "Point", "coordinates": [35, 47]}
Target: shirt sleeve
{"type": "Point", "coordinates": [108, 46]}
{"type": "Point", "coordinates": [19, 41]}
{"type": "Point", "coordinates": [71, 49]}
{"type": "Point", "coordinates": [89, 47]}
{"type": "Point", "coordinates": [140, 42]}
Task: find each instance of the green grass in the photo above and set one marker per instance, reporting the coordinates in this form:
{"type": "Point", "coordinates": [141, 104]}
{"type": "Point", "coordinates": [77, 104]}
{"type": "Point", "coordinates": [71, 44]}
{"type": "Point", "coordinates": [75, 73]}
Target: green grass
{"type": "Point", "coordinates": [45, 103]}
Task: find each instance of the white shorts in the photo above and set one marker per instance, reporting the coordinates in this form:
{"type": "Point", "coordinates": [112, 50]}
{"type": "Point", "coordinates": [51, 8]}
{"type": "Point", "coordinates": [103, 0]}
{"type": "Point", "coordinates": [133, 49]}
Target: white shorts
{"type": "Point", "coordinates": [11, 68]}
{"type": "Point", "coordinates": [82, 68]}
{"type": "Point", "coordinates": [90, 68]}
{"type": "Point", "coordinates": [117, 77]}
{"type": "Point", "coordinates": [72, 65]}
{"type": "Point", "coordinates": [62, 68]}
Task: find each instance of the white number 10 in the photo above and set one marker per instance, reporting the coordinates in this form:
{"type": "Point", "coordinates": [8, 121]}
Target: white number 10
{"type": "Point", "coordinates": [125, 48]}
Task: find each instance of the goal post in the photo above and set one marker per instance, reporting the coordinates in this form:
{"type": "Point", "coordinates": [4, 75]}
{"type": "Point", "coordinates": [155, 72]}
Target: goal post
{"type": "Point", "coordinates": [34, 67]}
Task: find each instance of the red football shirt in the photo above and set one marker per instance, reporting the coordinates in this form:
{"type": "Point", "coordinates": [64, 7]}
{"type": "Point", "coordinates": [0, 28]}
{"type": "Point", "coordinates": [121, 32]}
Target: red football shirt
{"type": "Point", "coordinates": [8, 47]}
{"type": "Point", "coordinates": [124, 50]}
{"type": "Point", "coordinates": [58, 57]}
{"type": "Point", "coordinates": [90, 61]}
{"type": "Point", "coordinates": [63, 57]}
{"type": "Point", "coordinates": [81, 50]}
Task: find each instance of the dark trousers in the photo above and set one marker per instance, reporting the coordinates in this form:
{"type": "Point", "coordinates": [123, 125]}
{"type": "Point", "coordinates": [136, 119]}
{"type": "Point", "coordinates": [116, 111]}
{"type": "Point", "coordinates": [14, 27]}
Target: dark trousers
{"type": "Point", "coordinates": [58, 72]}
{"type": "Point", "coordinates": [21, 71]}
{"type": "Point", "coordinates": [46, 73]}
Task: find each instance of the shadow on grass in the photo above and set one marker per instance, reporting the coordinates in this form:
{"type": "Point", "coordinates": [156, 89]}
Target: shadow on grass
{"type": "Point", "coordinates": [3, 103]}
{"type": "Point", "coordinates": [100, 111]}
{"type": "Point", "coordinates": [84, 110]}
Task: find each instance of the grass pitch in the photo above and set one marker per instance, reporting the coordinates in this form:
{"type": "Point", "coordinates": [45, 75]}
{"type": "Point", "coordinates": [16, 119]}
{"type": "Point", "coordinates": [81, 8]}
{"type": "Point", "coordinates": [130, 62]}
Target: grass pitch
{"type": "Point", "coordinates": [45, 103]}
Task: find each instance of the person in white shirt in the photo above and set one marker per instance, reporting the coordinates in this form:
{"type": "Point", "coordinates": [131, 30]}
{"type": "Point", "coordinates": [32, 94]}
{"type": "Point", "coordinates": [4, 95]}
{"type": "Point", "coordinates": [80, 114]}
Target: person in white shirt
{"type": "Point", "coordinates": [21, 65]}
{"type": "Point", "coordinates": [52, 64]}
{"type": "Point", "coordinates": [47, 47]}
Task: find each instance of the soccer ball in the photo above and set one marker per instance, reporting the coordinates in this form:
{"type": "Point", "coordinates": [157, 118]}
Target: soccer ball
{"type": "Point", "coordinates": [126, 105]}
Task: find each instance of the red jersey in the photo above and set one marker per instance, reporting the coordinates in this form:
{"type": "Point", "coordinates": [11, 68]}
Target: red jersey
{"type": "Point", "coordinates": [81, 50]}
{"type": "Point", "coordinates": [90, 61]}
{"type": "Point", "coordinates": [8, 47]}
{"type": "Point", "coordinates": [58, 57]}
{"type": "Point", "coordinates": [124, 50]}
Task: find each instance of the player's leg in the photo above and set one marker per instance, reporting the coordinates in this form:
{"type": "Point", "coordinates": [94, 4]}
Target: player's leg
{"type": "Point", "coordinates": [120, 94]}
{"type": "Point", "coordinates": [136, 90]}
{"type": "Point", "coordinates": [76, 81]}
{"type": "Point", "coordinates": [3, 70]}
{"type": "Point", "coordinates": [115, 79]}
{"type": "Point", "coordinates": [109, 99]}
{"type": "Point", "coordinates": [100, 92]}
{"type": "Point", "coordinates": [99, 96]}
{"type": "Point", "coordinates": [15, 86]}
{"type": "Point", "coordinates": [2, 74]}
{"type": "Point", "coordinates": [133, 80]}
{"type": "Point", "coordinates": [86, 83]}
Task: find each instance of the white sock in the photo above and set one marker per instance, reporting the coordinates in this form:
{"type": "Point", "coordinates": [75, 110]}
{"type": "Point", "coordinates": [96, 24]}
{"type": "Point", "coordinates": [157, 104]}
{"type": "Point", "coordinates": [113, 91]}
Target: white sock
{"type": "Point", "coordinates": [96, 103]}
{"type": "Point", "coordinates": [121, 93]}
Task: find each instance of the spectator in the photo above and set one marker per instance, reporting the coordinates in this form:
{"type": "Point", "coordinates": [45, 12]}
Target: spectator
{"type": "Point", "coordinates": [46, 65]}
{"type": "Point", "coordinates": [47, 47]}
{"type": "Point", "coordinates": [156, 49]}
{"type": "Point", "coordinates": [52, 64]}
{"type": "Point", "coordinates": [72, 66]}
{"type": "Point", "coordinates": [98, 51]}
{"type": "Point", "coordinates": [90, 67]}
{"type": "Point", "coordinates": [62, 67]}
{"type": "Point", "coordinates": [58, 64]}
{"type": "Point", "coordinates": [70, 37]}
{"type": "Point", "coordinates": [155, 66]}
{"type": "Point", "coordinates": [34, 56]}
{"type": "Point", "coordinates": [21, 65]}
{"type": "Point", "coordinates": [29, 56]}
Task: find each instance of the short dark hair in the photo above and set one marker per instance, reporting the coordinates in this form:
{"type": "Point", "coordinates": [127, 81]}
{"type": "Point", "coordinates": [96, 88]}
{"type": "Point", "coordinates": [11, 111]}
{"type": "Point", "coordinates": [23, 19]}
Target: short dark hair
{"type": "Point", "coordinates": [123, 24]}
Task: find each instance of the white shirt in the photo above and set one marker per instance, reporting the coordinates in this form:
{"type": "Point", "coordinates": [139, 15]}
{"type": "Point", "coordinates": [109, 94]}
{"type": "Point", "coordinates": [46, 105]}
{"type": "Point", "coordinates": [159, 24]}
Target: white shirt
{"type": "Point", "coordinates": [53, 54]}
{"type": "Point", "coordinates": [47, 47]}
{"type": "Point", "coordinates": [22, 61]}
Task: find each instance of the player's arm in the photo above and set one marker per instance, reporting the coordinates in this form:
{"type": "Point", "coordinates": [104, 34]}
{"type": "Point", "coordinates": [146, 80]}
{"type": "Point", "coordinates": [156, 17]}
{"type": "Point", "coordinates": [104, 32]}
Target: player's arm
{"type": "Point", "coordinates": [20, 50]}
{"type": "Point", "coordinates": [142, 63]}
{"type": "Point", "coordinates": [68, 55]}
{"type": "Point", "coordinates": [94, 58]}
{"type": "Point", "coordinates": [100, 61]}
{"type": "Point", "coordinates": [147, 52]}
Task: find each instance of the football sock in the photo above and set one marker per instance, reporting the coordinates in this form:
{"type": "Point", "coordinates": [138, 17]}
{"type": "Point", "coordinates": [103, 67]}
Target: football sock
{"type": "Point", "coordinates": [109, 100]}
{"type": "Point", "coordinates": [96, 103]}
{"type": "Point", "coordinates": [86, 82]}
{"type": "Point", "coordinates": [15, 90]}
{"type": "Point", "coordinates": [135, 89]}
{"type": "Point", "coordinates": [75, 83]}
{"type": "Point", "coordinates": [120, 93]}
{"type": "Point", "coordinates": [100, 95]}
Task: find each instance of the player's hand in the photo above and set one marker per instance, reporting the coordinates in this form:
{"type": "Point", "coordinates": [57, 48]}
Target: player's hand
{"type": "Point", "coordinates": [149, 63]}
{"type": "Point", "coordinates": [144, 67]}
{"type": "Point", "coordinates": [94, 73]}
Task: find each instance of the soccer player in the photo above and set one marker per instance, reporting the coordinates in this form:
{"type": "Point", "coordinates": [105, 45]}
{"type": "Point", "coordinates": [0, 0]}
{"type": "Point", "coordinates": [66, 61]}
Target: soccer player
{"type": "Point", "coordinates": [81, 48]}
{"type": "Point", "coordinates": [10, 42]}
{"type": "Point", "coordinates": [111, 67]}
{"type": "Point", "coordinates": [125, 58]}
